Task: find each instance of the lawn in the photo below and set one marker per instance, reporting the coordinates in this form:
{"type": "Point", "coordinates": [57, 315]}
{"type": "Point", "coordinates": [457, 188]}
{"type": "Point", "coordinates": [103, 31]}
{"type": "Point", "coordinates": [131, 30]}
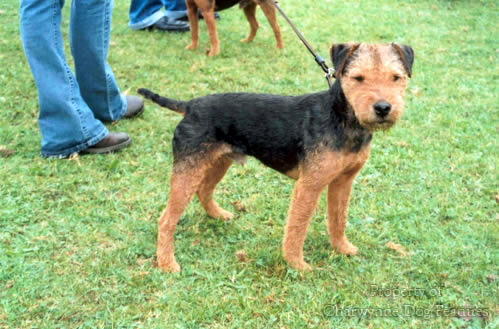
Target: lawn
{"type": "Point", "coordinates": [77, 236]}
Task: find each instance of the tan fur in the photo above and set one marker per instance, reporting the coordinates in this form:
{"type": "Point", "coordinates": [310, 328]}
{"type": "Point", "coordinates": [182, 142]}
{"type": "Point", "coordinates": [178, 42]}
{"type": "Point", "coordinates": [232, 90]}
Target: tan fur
{"type": "Point", "coordinates": [199, 173]}
{"type": "Point", "coordinates": [378, 65]}
{"type": "Point", "coordinates": [323, 168]}
{"type": "Point", "coordinates": [212, 177]}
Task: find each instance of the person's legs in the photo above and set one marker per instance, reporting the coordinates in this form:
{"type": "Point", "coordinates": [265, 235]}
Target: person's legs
{"type": "Point", "coordinates": [66, 122]}
{"type": "Point", "coordinates": [144, 13]}
{"type": "Point", "coordinates": [175, 9]}
{"type": "Point", "coordinates": [90, 27]}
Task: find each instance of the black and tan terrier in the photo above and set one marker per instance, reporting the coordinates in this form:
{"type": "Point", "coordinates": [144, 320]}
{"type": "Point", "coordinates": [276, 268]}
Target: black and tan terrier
{"type": "Point", "coordinates": [320, 139]}
{"type": "Point", "coordinates": [208, 7]}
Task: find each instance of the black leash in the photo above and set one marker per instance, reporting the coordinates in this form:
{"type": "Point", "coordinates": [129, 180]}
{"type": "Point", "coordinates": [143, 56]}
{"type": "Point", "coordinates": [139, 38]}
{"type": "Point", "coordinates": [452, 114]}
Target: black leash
{"type": "Point", "coordinates": [318, 59]}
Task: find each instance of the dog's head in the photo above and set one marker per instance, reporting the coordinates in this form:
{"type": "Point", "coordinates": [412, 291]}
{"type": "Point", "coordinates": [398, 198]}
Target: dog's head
{"type": "Point", "coordinates": [373, 78]}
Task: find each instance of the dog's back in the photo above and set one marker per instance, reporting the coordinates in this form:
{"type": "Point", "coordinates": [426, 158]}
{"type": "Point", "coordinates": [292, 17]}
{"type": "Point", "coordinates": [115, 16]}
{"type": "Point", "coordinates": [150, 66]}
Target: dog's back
{"type": "Point", "coordinates": [275, 129]}
{"type": "Point", "coordinates": [224, 4]}
{"type": "Point", "coordinates": [268, 127]}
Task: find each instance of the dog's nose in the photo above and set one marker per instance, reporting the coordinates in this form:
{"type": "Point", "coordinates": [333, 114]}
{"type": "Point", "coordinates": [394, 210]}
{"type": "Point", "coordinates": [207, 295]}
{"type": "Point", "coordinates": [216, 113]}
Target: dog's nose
{"type": "Point", "coordinates": [382, 108]}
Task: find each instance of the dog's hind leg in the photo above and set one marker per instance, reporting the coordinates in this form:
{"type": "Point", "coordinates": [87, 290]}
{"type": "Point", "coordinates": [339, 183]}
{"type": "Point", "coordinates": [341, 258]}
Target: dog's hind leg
{"type": "Point", "coordinates": [213, 175]}
{"type": "Point", "coordinates": [250, 12]}
{"type": "Point", "coordinates": [185, 180]}
{"type": "Point", "coordinates": [269, 11]}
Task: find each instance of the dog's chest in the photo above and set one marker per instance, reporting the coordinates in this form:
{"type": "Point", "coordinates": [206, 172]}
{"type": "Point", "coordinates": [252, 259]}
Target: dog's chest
{"type": "Point", "coordinates": [328, 165]}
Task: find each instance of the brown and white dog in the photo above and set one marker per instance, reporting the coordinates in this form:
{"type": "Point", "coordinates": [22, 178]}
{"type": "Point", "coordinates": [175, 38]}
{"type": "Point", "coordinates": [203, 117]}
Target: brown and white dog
{"type": "Point", "coordinates": [208, 7]}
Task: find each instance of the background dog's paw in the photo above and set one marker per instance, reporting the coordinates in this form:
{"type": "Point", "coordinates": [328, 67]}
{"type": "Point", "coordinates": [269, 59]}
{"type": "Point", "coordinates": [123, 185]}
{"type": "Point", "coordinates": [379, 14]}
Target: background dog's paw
{"type": "Point", "coordinates": [173, 267]}
{"type": "Point", "coordinates": [213, 52]}
{"type": "Point", "coordinates": [299, 265]}
{"type": "Point", "coordinates": [346, 248]}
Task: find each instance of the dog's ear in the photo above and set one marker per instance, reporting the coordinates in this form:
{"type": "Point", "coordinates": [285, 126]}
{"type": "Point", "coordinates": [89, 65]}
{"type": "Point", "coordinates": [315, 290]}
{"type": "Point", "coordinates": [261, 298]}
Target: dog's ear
{"type": "Point", "coordinates": [341, 54]}
{"type": "Point", "coordinates": [406, 54]}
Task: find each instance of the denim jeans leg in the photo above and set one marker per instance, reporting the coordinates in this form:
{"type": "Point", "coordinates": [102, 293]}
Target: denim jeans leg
{"type": "Point", "coordinates": [67, 124]}
{"type": "Point", "coordinates": [144, 13]}
{"type": "Point", "coordinates": [90, 28]}
{"type": "Point", "coordinates": [175, 8]}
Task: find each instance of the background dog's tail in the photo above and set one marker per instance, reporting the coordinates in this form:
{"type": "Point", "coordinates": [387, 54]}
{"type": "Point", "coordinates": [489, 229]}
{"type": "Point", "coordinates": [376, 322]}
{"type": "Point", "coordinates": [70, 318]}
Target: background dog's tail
{"type": "Point", "coordinates": [172, 104]}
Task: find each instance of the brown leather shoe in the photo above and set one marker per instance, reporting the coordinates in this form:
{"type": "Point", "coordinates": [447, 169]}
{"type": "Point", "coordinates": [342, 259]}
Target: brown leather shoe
{"type": "Point", "coordinates": [134, 108]}
{"type": "Point", "coordinates": [111, 143]}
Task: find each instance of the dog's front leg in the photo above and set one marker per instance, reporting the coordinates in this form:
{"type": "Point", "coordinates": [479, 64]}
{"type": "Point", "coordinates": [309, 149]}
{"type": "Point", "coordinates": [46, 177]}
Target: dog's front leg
{"type": "Point", "coordinates": [192, 14]}
{"type": "Point", "coordinates": [338, 197]}
{"type": "Point", "coordinates": [211, 25]}
{"type": "Point", "coordinates": [303, 204]}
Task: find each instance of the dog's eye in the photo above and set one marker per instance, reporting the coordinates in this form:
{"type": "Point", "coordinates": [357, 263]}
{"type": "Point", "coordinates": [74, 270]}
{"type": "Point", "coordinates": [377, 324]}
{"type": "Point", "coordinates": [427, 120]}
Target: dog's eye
{"type": "Point", "coordinates": [396, 77]}
{"type": "Point", "coordinates": [359, 78]}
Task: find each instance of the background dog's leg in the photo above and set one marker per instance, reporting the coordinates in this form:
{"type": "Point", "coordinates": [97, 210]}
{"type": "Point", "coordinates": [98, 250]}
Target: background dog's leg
{"type": "Point", "coordinates": [338, 196]}
{"type": "Point", "coordinates": [209, 18]}
{"type": "Point", "coordinates": [269, 11]}
{"type": "Point", "coordinates": [212, 177]}
{"type": "Point", "coordinates": [192, 14]}
{"type": "Point", "coordinates": [184, 182]}
{"type": "Point", "coordinates": [302, 207]}
{"type": "Point", "coordinates": [250, 12]}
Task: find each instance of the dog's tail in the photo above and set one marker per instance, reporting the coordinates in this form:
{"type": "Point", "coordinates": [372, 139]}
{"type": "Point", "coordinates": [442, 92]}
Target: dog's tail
{"type": "Point", "coordinates": [172, 104]}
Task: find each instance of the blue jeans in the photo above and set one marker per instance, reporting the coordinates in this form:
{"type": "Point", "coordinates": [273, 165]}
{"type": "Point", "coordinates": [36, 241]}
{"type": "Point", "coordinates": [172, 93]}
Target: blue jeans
{"type": "Point", "coordinates": [144, 13]}
{"type": "Point", "coordinates": [72, 106]}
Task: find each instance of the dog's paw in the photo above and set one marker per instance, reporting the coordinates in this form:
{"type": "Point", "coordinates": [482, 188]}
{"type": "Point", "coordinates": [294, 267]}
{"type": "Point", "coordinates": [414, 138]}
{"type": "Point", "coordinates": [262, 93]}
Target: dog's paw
{"type": "Point", "coordinates": [246, 40]}
{"type": "Point", "coordinates": [220, 214]}
{"type": "Point", "coordinates": [213, 52]}
{"type": "Point", "coordinates": [172, 267]}
{"type": "Point", "coordinates": [345, 247]}
{"type": "Point", "coordinates": [279, 45]}
{"type": "Point", "coordinates": [191, 46]}
{"type": "Point", "coordinates": [225, 215]}
{"type": "Point", "coordinates": [215, 211]}
{"type": "Point", "coordinates": [299, 265]}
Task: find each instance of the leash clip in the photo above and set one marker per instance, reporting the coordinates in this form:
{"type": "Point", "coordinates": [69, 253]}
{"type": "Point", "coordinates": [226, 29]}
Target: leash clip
{"type": "Point", "coordinates": [330, 72]}
{"type": "Point", "coordinates": [329, 75]}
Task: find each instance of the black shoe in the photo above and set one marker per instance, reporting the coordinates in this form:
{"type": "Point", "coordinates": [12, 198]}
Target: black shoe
{"type": "Point", "coordinates": [111, 143]}
{"type": "Point", "coordinates": [170, 25]}
{"type": "Point", "coordinates": [134, 107]}
{"type": "Point", "coordinates": [200, 16]}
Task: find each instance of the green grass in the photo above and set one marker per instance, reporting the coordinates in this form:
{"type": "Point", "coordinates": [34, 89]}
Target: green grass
{"type": "Point", "coordinates": [77, 237]}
